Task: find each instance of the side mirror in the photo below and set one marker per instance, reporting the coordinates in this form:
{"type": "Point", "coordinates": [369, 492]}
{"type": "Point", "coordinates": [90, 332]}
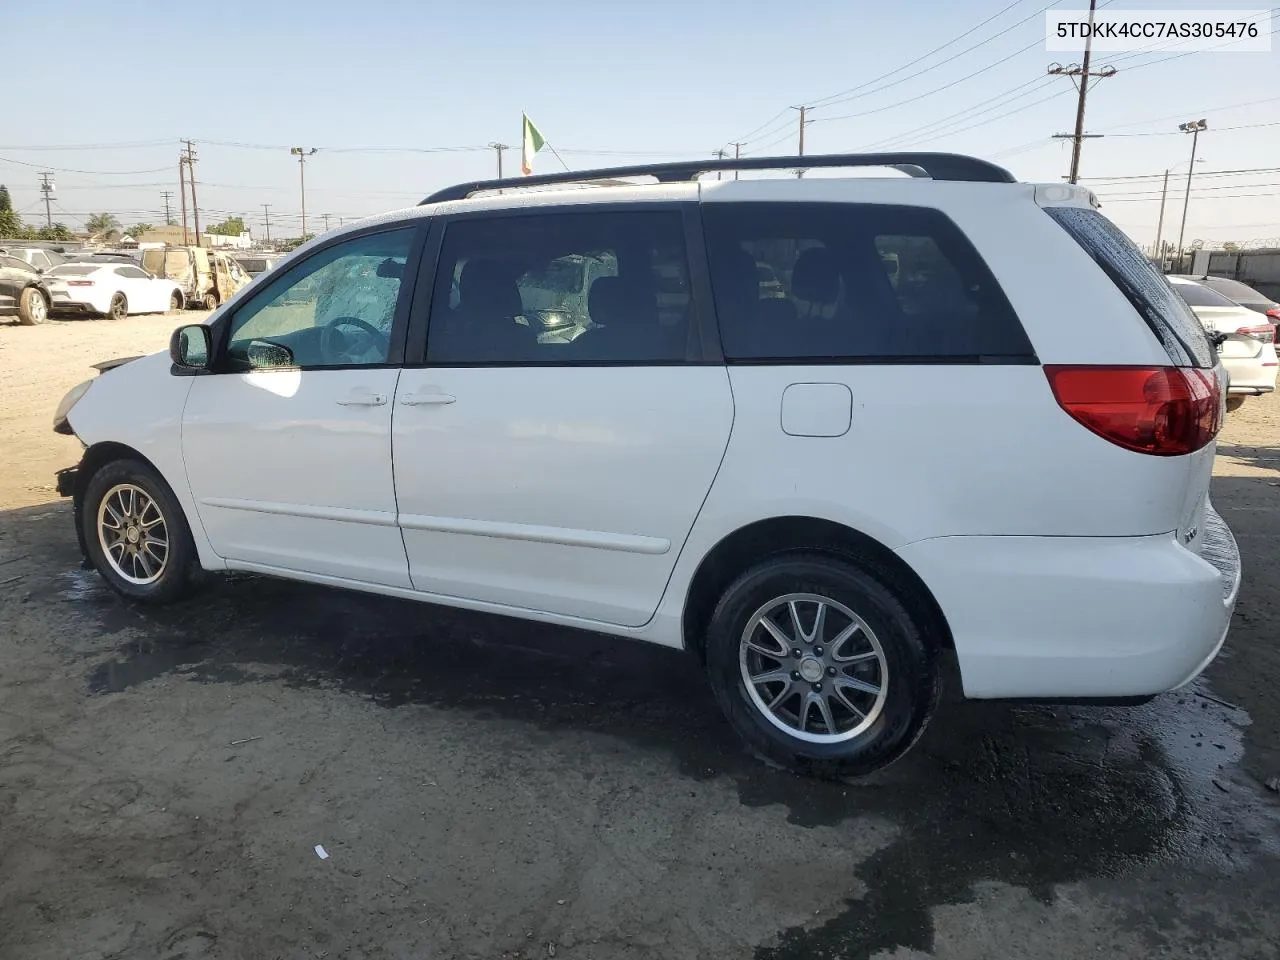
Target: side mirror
{"type": "Point", "coordinates": [191, 346]}
{"type": "Point", "coordinates": [266, 354]}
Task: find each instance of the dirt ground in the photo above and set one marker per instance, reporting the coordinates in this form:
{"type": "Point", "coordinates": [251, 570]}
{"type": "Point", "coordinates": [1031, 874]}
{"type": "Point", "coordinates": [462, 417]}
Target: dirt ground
{"type": "Point", "coordinates": [488, 788]}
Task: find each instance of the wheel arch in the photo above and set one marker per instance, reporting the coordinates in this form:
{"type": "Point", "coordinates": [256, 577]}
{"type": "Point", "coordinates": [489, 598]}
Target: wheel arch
{"type": "Point", "coordinates": [750, 544]}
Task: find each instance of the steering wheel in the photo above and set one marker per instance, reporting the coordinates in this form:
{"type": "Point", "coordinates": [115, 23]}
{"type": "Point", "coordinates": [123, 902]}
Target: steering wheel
{"type": "Point", "coordinates": [339, 346]}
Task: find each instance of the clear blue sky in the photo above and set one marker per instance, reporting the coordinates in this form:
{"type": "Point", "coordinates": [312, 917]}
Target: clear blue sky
{"type": "Point", "coordinates": [662, 79]}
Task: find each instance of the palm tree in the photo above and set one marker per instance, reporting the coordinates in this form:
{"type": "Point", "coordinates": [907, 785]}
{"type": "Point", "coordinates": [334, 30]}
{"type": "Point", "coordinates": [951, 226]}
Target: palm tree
{"type": "Point", "coordinates": [101, 223]}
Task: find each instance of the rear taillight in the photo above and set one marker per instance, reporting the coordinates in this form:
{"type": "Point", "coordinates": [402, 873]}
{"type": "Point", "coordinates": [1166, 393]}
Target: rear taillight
{"type": "Point", "coordinates": [1266, 332]}
{"type": "Point", "coordinates": [79, 283]}
{"type": "Point", "coordinates": [1274, 314]}
{"type": "Point", "coordinates": [1164, 411]}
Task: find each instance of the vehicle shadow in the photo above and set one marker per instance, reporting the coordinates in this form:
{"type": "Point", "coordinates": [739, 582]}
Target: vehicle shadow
{"type": "Point", "coordinates": [1031, 795]}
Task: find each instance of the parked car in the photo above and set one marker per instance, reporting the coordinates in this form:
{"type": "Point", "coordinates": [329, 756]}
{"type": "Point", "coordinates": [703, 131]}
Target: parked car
{"type": "Point", "coordinates": [110, 289]}
{"type": "Point", "coordinates": [205, 277]}
{"type": "Point", "coordinates": [1240, 293]}
{"type": "Point", "coordinates": [39, 257]}
{"type": "Point", "coordinates": [740, 478]}
{"type": "Point", "coordinates": [256, 263]}
{"type": "Point", "coordinates": [23, 291]}
{"type": "Point", "coordinates": [1247, 343]}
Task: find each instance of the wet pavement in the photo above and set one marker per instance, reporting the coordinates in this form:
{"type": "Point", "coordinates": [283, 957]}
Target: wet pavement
{"type": "Point", "coordinates": [654, 803]}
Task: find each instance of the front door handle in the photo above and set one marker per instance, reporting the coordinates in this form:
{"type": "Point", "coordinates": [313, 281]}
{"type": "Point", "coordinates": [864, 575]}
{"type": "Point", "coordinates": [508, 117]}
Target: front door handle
{"type": "Point", "coordinates": [363, 398]}
{"type": "Point", "coordinates": [422, 399]}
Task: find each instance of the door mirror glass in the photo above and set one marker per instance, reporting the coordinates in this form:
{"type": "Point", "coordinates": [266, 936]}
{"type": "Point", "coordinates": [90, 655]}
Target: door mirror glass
{"type": "Point", "coordinates": [190, 346]}
{"type": "Point", "coordinates": [265, 353]}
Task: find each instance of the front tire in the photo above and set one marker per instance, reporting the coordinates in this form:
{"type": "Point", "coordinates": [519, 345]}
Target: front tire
{"type": "Point", "coordinates": [136, 534]}
{"type": "Point", "coordinates": [33, 308]}
{"type": "Point", "coordinates": [210, 302]}
{"type": "Point", "coordinates": [118, 309]}
{"type": "Point", "coordinates": [819, 667]}
{"type": "Point", "coordinates": [175, 301]}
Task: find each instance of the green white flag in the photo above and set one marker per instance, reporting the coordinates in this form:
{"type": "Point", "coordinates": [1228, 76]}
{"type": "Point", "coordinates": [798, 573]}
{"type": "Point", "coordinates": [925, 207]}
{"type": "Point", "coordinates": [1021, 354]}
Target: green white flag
{"type": "Point", "coordinates": [531, 143]}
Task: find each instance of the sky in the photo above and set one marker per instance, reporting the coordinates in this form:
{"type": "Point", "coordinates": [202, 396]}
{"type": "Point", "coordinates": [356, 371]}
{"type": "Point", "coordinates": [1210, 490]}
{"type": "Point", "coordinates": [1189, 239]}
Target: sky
{"type": "Point", "coordinates": [401, 98]}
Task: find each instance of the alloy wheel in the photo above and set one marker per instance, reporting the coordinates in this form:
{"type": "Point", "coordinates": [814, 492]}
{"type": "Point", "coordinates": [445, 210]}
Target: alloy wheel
{"type": "Point", "coordinates": [133, 534]}
{"type": "Point", "coordinates": [813, 668]}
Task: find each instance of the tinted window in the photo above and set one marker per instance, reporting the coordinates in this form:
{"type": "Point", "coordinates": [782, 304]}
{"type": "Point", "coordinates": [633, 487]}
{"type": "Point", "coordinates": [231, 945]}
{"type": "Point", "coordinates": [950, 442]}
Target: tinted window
{"type": "Point", "coordinates": [333, 309]}
{"type": "Point", "coordinates": [1237, 291]}
{"type": "Point", "coordinates": [132, 273]}
{"type": "Point", "coordinates": [853, 281]}
{"type": "Point", "coordinates": [74, 270]}
{"type": "Point", "coordinates": [12, 263]}
{"type": "Point", "coordinates": [1198, 296]}
{"type": "Point", "coordinates": [1168, 316]}
{"type": "Point", "coordinates": [588, 287]}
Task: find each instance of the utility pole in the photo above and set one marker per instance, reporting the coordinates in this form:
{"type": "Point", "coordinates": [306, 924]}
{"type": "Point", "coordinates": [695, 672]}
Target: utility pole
{"type": "Point", "coordinates": [498, 148]}
{"type": "Point", "coordinates": [182, 190]}
{"type": "Point", "coordinates": [737, 155]}
{"type": "Point", "coordinates": [1192, 127]}
{"type": "Point", "coordinates": [302, 155]}
{"type": "Point", "coordinates": [189, 158]}
{"type": "Point", "coordinates": [325, 217]}
{"type": "Point", "coordinates": [1164, 192]}
{"type": "Point", "coordinates": [720, 155]}
{"type": "Point", "coordinates": [168, 195]}
{"type": "Point", "coordinates": [803, 112]}
{"type": "Point", "coordinates": [266, 216]}
{"type": "Point", "coordinates": [46, 190]}
{"type": "Point", "coordinates": [1084, 73]}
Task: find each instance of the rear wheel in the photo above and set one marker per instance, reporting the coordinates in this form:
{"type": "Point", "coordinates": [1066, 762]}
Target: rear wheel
{"type": "Point", "coordinates": [175, 301]}
{"type": "Point", "coordinates": [210, 302]}
{"type": "Point", "coordinates": [136, 534]}
{"type": "Point", "coordinates": [33, 308]}
{"type": "Point", "coordinates": [819, 667]}
{"type": "Point", "coordinates": [119, 307]}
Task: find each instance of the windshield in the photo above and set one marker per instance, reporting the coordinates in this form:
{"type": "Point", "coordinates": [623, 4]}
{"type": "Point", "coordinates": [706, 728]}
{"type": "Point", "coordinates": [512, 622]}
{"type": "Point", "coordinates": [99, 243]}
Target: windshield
{"type": "Point", "coordinates": [562, 276]}
{"type": "Point", "coordinates": [1201, 296]}
{"type": "Point", "coordinates": [1237, 291]}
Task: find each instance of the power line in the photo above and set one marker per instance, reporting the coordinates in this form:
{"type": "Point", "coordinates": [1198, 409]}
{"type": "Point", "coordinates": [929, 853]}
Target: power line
{"type": "Point", "coordinates": [99, 173]}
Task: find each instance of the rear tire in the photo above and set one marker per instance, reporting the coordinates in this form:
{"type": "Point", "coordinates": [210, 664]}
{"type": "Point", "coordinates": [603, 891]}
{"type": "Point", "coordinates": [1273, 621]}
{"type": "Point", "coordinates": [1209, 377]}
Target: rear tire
{"type": "Point", "coordinates": [880, 684]}
{"type": "Point", "coordinates": [210, 302]}
{"type": "Point", "coordinates": [136, 534]}
{"type": "Point", "coordinates": [1234, 404]}
{"type": "Point", "coordinates": [175, 301]}
{"type": "Point", "coordinates": [33, 308]}
{"type": "Point", "coordinates": [119, 307]}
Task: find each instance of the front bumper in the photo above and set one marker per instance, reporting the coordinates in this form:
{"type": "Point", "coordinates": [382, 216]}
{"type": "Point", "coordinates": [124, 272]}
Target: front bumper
{"type": "Point", "coordinates": [66, 480]}
{"type": "Point", "coordinates": [1082, 617]}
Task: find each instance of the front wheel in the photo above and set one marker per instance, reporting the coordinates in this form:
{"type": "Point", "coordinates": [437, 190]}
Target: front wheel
{"type": "Point", "coordinates": [118, 309]}
{"type": "Point", "coordinates": [210, 302]}
{"type": "Point", "coordinates": [33, 308]}
{"type": "Point", "coordinates": [175, 301]}
{"type": "Point", "coordinates": [819, 666]}
{"type": "Point", "coordinates": [136, 534]}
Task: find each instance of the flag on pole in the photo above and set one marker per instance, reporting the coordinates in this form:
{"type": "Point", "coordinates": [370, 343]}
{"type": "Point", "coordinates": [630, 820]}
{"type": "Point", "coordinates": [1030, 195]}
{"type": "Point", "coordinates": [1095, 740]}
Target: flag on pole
{"type": "Point", "coordinates": [531, 143]}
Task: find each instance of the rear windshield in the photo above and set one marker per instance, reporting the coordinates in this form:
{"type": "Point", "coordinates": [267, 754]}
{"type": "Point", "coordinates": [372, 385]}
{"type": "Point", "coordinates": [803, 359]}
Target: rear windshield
{"type": "Point", "coordinates": [1237, 291]}
{"type": "Point", "coordinates": [1201, 296]}
{"type": "Point", "coordinates": [1184, 338]}
{"type": "Point", "coordinates": [72, 270]}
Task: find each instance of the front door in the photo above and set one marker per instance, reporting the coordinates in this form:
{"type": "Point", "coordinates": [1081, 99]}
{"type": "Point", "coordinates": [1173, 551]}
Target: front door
{"type": "Point", "coordinates": [288, 444]}
{"type": "Point", "coordinates": [552, 473]}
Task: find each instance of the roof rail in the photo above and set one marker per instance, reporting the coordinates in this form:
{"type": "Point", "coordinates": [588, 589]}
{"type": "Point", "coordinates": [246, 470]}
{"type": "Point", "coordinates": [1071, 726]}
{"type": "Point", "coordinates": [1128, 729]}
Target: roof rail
{"type": "Point", "coordinates": [936, 166]}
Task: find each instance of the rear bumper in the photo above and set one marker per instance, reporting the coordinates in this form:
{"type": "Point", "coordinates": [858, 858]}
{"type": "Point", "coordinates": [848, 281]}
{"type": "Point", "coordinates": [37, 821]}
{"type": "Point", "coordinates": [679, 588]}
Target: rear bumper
{"type": "Point", "coordinates": [1082, 617]}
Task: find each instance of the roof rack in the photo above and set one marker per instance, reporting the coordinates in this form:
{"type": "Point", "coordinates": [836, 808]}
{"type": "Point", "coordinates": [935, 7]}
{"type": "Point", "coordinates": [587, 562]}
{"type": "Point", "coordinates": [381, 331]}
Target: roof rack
{"type": "Point", "coordinates": [936, 166]}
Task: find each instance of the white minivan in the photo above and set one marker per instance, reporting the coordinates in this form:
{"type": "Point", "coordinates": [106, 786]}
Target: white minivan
{"type": "Point", "coordinates": [974, 422]}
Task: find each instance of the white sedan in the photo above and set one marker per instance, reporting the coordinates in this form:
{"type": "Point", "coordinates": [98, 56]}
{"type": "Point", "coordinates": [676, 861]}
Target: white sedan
{"type": "Point", "coordinates": [1248, 350]}
{"type": "Point", "coordinates": [113, 290]}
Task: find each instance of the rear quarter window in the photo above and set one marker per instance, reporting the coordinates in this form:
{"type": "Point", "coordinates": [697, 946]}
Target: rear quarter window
{"type": "Point", "coordinates": [1170, 319]}
{"type": "Point", "coordinates": [856, 283]}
